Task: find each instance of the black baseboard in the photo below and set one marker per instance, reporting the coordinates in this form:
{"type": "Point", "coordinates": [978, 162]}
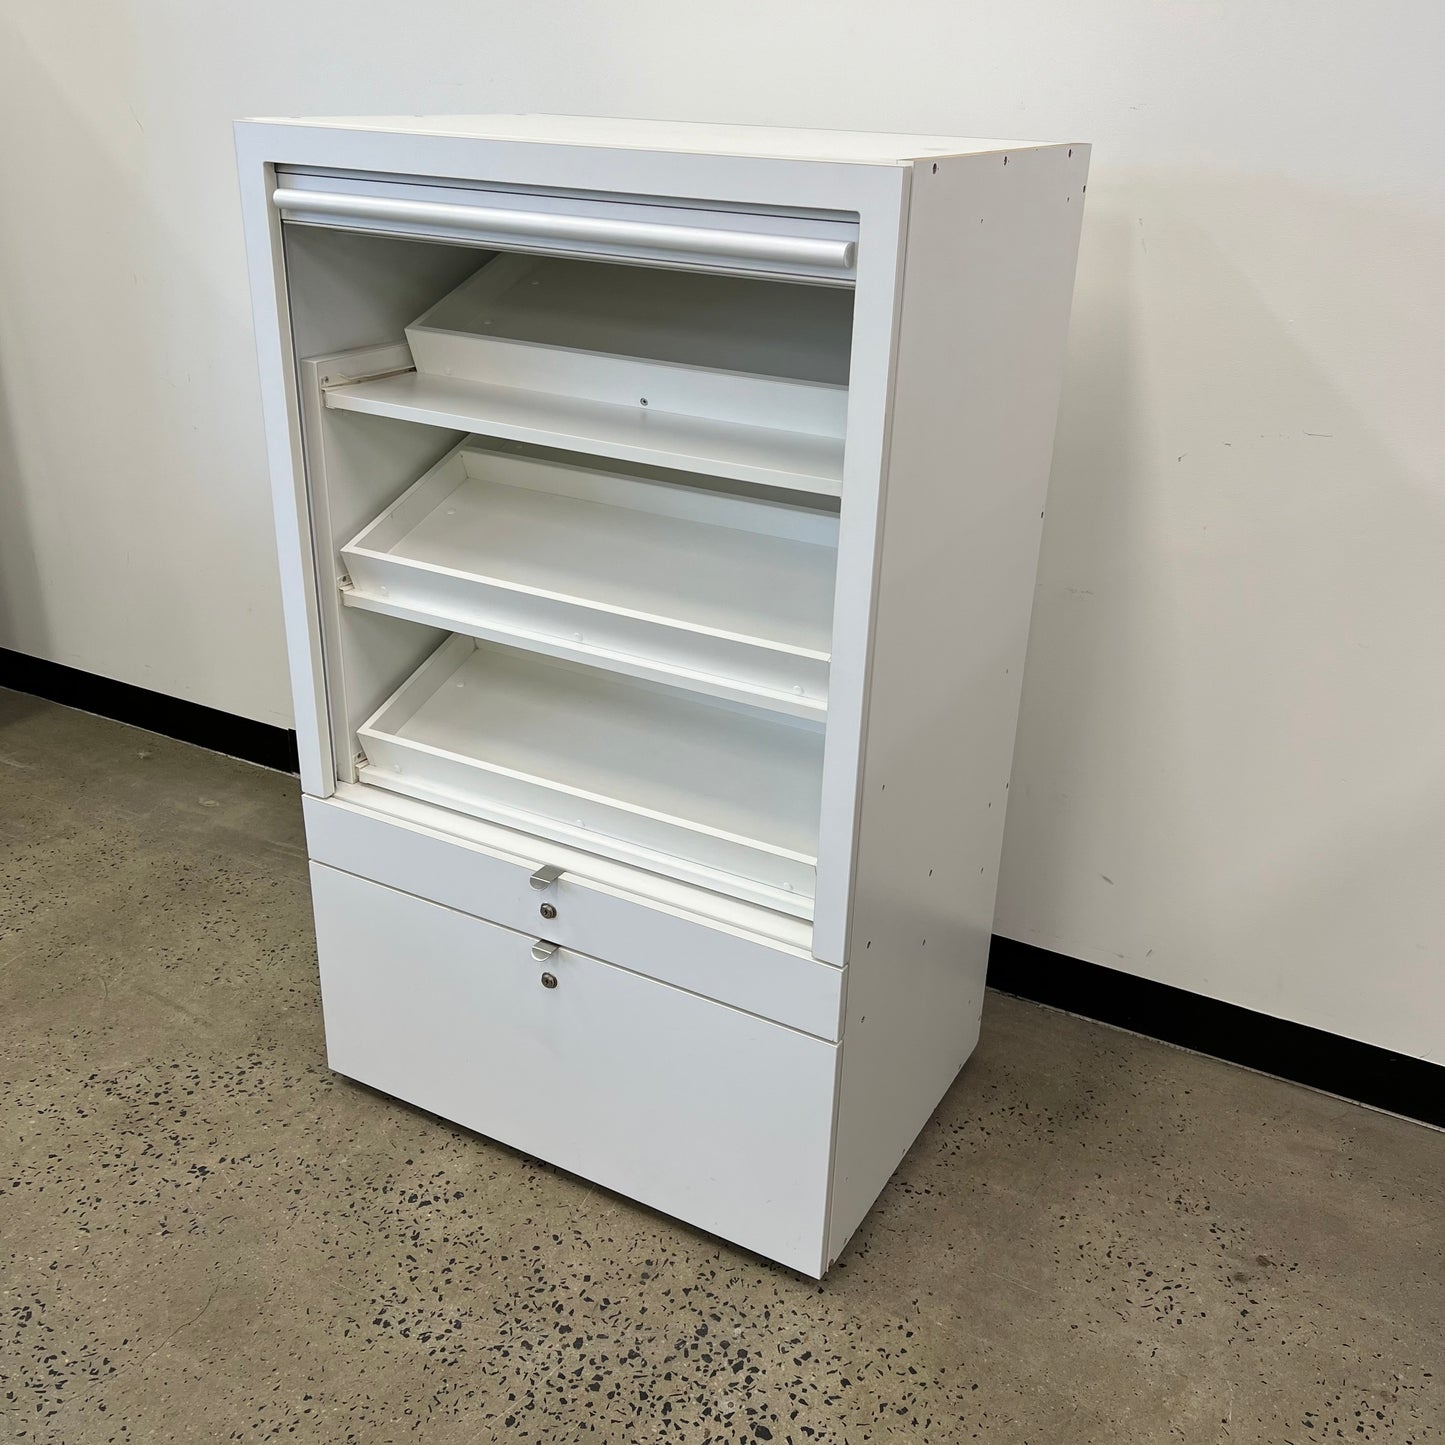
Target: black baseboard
{"type": "Point", "coordinates": [190, 722]}
{"type": "Point", "coordinates": [1362, 1072]}
{"type": "Point", "coordinates": [1353, 1070]}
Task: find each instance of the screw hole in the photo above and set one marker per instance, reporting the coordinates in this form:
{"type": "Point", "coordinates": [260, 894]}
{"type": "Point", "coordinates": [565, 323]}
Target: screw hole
{"type": "Point", "coordinates": [1005, 160]}
{"type": "Point", "coordinates": [642, 401]}
{"type": "Point", "coordinates": [869, 943]}
{"type": "Point", "coordinates": [930, 872]}
{"type": "Point", "coordinates": [935, 168]}
{"type": "Point", "coordinates": [1071, 151]}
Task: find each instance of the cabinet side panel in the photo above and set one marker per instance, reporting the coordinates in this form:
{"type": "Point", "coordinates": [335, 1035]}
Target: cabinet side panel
{"type": "Point", "coordinates": [988, 279]}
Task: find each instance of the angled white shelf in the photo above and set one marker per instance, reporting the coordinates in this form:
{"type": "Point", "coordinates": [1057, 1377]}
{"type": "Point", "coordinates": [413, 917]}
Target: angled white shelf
{"type": "Point", "coordinates": [798, 461]}
{"type": "Point", "coordinates": [730, 348]}
{"type": "Point", "coordinates": [640, 573]}
{"type": "Point", "coordinates": [659, 774]}
{"type": "Point", "coordinates": [728, 376]}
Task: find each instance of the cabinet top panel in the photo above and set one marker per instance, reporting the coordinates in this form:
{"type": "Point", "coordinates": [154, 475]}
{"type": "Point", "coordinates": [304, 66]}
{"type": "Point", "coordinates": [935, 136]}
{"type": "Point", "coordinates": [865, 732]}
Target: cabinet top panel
{"type": "Point", "coordinates": [767, 142]}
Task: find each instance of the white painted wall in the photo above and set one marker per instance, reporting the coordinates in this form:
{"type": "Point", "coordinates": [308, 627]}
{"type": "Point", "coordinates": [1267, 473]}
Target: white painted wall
{"type": "Point", "coordinates": [1230, 774]}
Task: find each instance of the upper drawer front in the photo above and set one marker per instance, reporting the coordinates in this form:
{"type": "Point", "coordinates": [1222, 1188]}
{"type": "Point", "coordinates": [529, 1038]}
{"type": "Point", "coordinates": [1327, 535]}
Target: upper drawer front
{"type": "Point", "coordinates": [709, 1114]}
{"type": "Point", "coordinates": [814, 248]}
{"type": "Point", "coordinates": [772, 980]}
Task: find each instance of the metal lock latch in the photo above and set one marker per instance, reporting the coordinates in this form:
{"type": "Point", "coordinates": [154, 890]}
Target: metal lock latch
{"type": "Point", "coordinates": [545, 877]}
{"type": "Point", "coordinates": [542, 950]}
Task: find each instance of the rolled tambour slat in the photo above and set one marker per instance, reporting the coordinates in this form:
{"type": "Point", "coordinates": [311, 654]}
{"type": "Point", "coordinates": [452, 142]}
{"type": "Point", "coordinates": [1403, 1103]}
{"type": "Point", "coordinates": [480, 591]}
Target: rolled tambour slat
{"type": "Point", "coordinates": [543, 226]}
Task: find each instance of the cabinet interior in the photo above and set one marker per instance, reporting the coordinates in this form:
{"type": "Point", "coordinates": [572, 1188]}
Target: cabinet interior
{"type": "Point", "coordinates": [576, 528]}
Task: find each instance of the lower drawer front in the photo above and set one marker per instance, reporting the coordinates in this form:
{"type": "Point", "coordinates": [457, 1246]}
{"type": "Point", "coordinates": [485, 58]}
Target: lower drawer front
{"type": "Point", "coordinates": [697, 1109]}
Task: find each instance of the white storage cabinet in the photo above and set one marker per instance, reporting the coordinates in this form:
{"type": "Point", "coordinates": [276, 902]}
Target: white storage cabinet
{"type": "Point", "coordinates": [658, 510]}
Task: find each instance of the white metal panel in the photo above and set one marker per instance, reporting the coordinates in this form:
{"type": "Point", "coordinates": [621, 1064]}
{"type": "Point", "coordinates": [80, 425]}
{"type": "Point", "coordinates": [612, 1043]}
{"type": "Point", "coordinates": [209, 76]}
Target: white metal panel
{"type": "Point", "coordinates": [715, 1116]}
{"type": "Point", "coordinates": [281, 405]}
{"type": "Point", "coordinates": [347, 291]}
{"type": "Point", "coordinates": [870, 398]}
{"type": "Point", "coordinates": [988, 281]}
{"type": "Point", "coordinates": [687, 137]}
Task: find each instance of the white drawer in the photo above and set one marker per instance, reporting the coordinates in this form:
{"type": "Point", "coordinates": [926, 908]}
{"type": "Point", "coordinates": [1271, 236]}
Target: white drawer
{"type": "Point", "coordinates": [663, 939]}
{"type": "Point", "coordinates": [699, 1110]}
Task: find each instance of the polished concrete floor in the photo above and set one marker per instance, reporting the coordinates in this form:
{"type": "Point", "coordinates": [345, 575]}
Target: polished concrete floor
{"type": "Point", "coordinates": [206, 1236]}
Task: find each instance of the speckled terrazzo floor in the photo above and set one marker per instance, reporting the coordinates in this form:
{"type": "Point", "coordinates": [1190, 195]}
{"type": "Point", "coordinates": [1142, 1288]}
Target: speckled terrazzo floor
{"type": "Point", "coordinates": [206, 1236]}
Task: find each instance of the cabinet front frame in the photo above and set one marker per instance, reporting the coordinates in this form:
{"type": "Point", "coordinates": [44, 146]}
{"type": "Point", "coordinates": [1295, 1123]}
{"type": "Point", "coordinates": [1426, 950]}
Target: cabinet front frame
{"type": "Point", "coordinates": [877, 193]}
